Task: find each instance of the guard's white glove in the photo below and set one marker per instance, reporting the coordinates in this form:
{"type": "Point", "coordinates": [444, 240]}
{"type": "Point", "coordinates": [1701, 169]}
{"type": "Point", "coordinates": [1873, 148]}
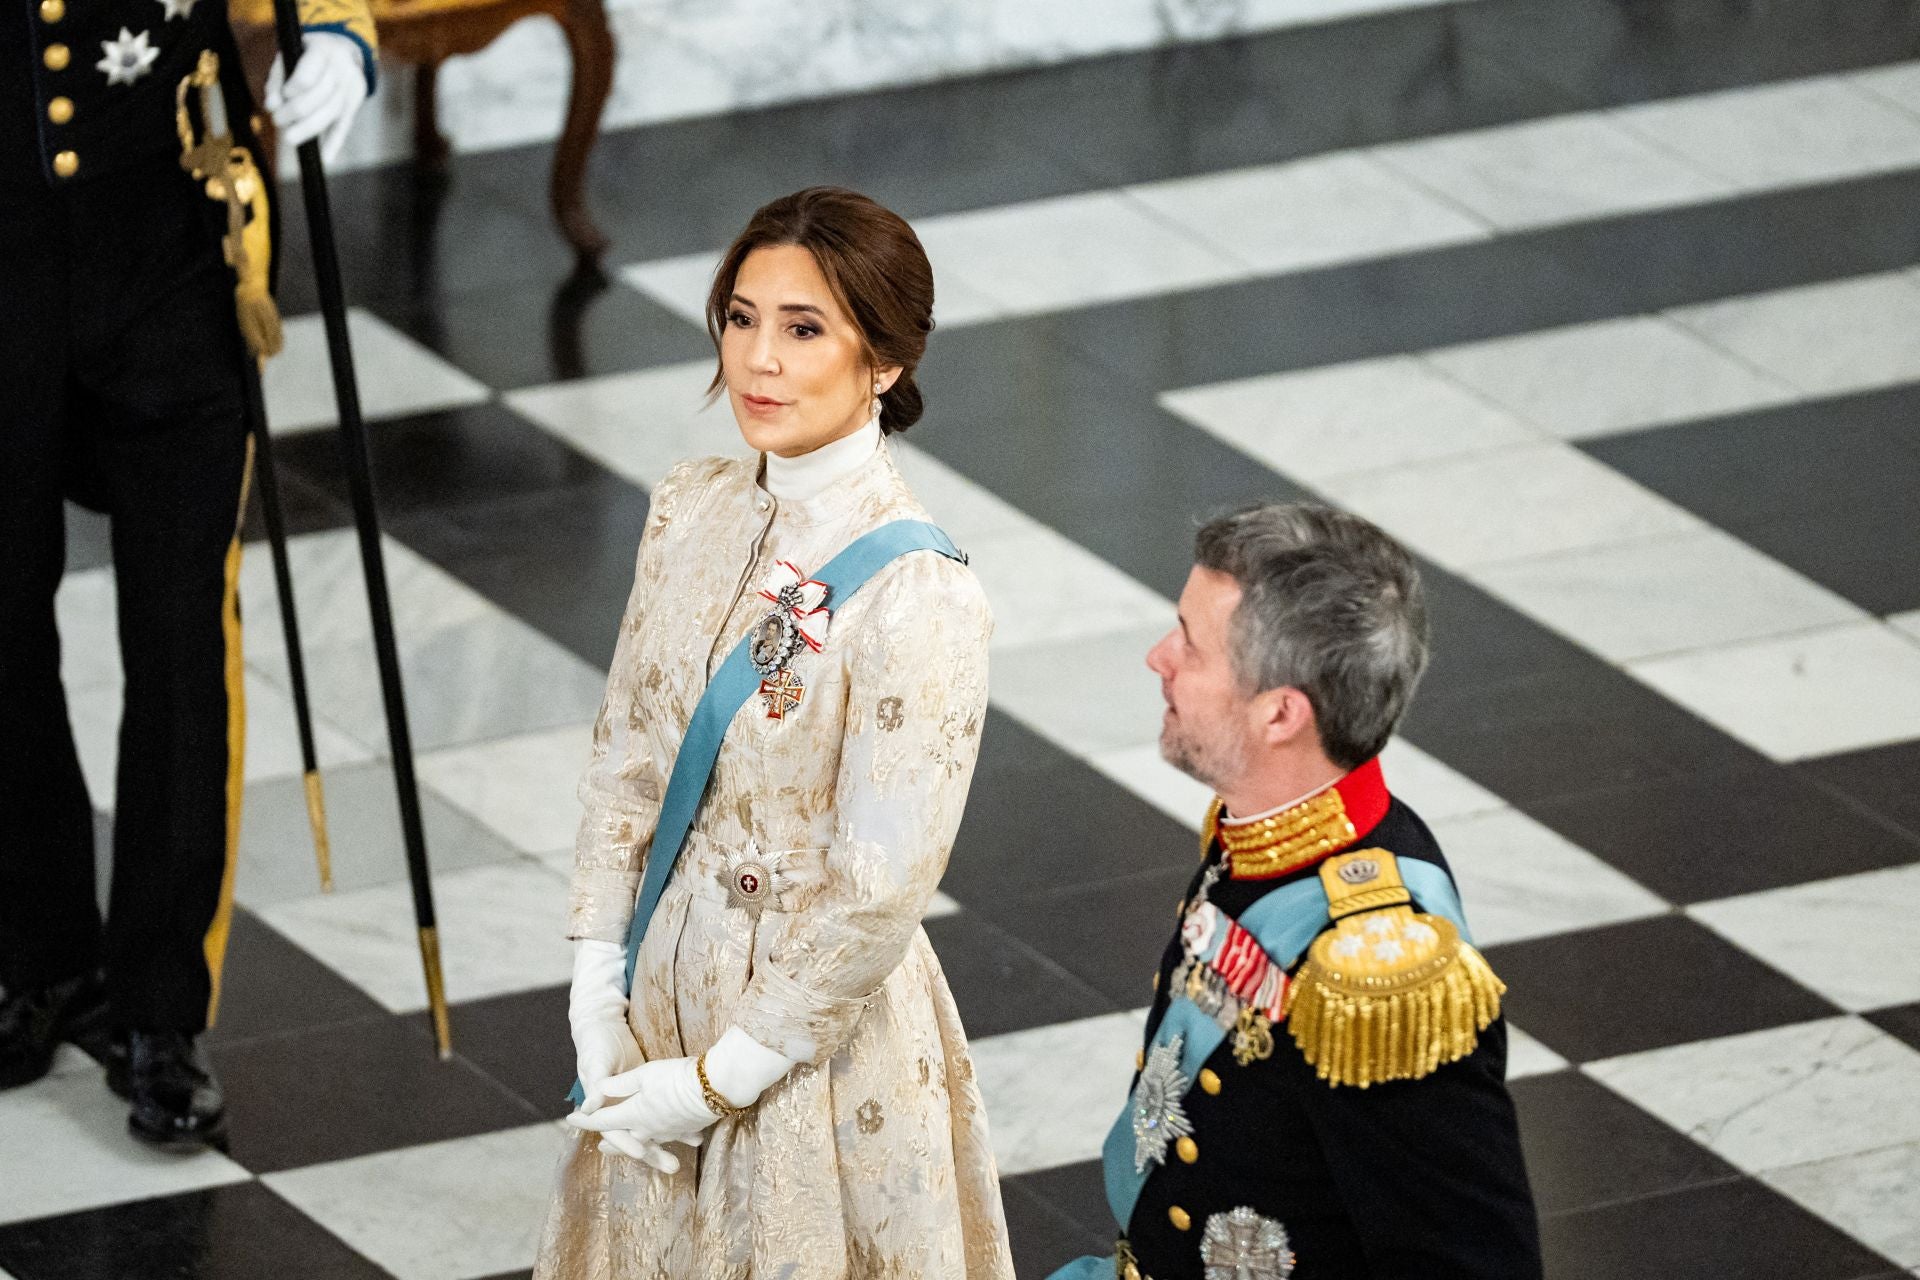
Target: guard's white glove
{"type": "Point", "coordinates": [661, 1102]}
{"type": "Point", "coordinates": [324, 95]}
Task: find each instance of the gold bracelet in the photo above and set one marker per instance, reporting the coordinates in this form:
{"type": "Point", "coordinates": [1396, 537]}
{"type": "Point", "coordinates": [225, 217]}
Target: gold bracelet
{"type": "Point", "coordinates": [716, 1103]}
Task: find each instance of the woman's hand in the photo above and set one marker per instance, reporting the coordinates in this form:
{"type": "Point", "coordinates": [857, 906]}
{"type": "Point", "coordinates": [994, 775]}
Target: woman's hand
{"type": "Point", "coordinates": [640, 1111]}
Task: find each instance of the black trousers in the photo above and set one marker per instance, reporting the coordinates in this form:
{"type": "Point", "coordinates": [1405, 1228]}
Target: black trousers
{"type": "Point", "coordinates": [120, 367]}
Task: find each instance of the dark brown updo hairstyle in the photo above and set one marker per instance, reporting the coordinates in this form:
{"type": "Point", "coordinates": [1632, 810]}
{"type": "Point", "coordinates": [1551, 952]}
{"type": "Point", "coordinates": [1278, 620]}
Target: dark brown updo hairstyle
{"type": "Point", "coordinates": [876, 268]}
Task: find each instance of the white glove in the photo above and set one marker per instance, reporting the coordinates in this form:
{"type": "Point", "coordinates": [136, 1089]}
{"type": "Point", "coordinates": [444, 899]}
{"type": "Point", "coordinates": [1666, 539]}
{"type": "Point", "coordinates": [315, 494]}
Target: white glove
{"type": "Point", "coordinates": [603, 1043]}
{"type": "Point", "coordinates": [661, 1102]}
{"type": "Point", "coordinates": [324, 95]}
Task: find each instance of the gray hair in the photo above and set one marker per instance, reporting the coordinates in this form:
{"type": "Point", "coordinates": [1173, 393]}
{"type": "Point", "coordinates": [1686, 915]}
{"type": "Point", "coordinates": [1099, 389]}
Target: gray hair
{"type": "Point", "coordinates": [1331, 606]}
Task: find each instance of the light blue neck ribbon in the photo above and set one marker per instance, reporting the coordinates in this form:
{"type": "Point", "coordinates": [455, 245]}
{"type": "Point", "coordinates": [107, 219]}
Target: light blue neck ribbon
{"type": "Point", "coordinates": [728, 691]}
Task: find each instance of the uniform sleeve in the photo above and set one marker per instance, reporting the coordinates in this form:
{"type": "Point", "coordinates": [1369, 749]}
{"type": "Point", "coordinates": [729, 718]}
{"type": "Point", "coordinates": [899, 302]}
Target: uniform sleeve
{"type": "Point", "coordinates": [916, 696]}
{"type": "Point", "coordinates": [619, 796]}
{"type": "Point", "coordinates": [350, 18]}
{"type": "Point", "coordinates": [1431, 1170]}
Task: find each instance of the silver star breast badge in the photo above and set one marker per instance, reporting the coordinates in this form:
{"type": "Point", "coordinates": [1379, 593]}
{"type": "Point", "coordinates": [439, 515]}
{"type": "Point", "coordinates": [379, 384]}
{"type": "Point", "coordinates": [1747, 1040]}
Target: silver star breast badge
{"type": "Point", "coordinates": [1242, 1245]}
{"type": "Point", "coordinates": [1158, 1116]}
{"type": "Point", "coordinates": [127, 58]}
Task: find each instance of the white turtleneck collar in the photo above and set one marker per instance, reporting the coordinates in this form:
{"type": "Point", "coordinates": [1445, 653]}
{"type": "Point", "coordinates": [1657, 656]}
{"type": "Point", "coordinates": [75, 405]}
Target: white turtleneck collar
{"type": "Point", "coordinates": [810, 474]}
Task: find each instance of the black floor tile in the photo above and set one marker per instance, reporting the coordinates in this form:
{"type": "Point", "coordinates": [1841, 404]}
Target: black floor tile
{"type": "Point", "coordinates": [1478, 642]}
{"type": "Point", "coordinates": [1079, 1192]}
{"type": "Point", "coordinates": [89, 534]}
{"type": "Point", "coordinates": [240, 1232]}
{"type": "Point", "coordinates": [1002, 984]}
{"type": "Point", "coordinates": [270, 987]}
{"type": "Point", "coordinates": [1646, 984]}
{"type": "Point", "coordinates": [520, 336]}
{"type": "Point", "coordinates": [1902, 1021]}
{"type": "Point", "coordinates": [1714, 1232]}
{"type": "Point", "coordinates": [1692, 839]}
{"type": "Point", "coordinates": [1109, 933]}
{"type": "Point", "coordinates": [352, 1089]}
{"type": "Point", "coordinates": [1885, 780]}
{"type": "Point", "coordinates": [1566, 733]}
{"type": "Point", "coordinates": [1587, 1146]}
{"type": "Point", "coordinates": [1042, 1237]}
{"type": "Point", "coordinates": [520, 1041]}
{"type": "Point", "coordinates": [1866, 551]}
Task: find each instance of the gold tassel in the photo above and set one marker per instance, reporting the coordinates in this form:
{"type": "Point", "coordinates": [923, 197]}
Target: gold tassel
{"type": "Point", "coordinates": [1390, 995]}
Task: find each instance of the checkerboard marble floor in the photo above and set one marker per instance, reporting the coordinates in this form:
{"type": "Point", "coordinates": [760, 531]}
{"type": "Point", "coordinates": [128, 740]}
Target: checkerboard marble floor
{"type": "Point", "coordinates": [1610, 310]}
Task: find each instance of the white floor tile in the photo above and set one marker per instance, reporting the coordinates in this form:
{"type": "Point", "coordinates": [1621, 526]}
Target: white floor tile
{"type": "Point", "coordinates": [273, 735]}
{"type": "Point", "coordinates": [1613, 375]}
{"type": "Point", "coordinates": [1070, 251]}
{"type": "Point", "coordinates": [1665, 595]}
{"type": "Point", "coordinates": [1898, 84]}
{"type": "Point", "coordinates": [1798, 696]}
{"type": "Point", "coordinates": [1434, 790]}
{"type": "Point", "coordinates": [1870, 1196]}
{"type": "Point", "coordinates": [521, 787]}
{"type": "Point", "coordinates": [1561, 169]}
{"type": "Point", "coordinates": [363, 826]}
{"type": "Point", "coordinates": [1090, 695]}
{"type": "Point", "coordinates": [1850, 938]}
{"type": "Point", "coordinates": [1312, 424]}
{"type": "Point", "coordinates": [67, 1149]}
{"type": "Point", "coordinates": [1531, 500]}
{"type": "Point", "coordinates": [939, 907]}
{"type": "Point", "coordinates": [1047, 591]}
{"type": "Point", "coordinates": [1317, 212]}
{"type": "Point", "coordinates": [637, 424]}
{"type": "Point", "coordinates": [1144, 772]}
{"type": "Point", "coordinates": [1528, 1057]}
{"type": "Point", "coordinates": [680, 284]}
{"type": "Point", "coordinates": [969, 512]}
{"type": "Point", "coordinates": [1777, 135]}
{"type": "Point", "coordinates": [1770, 1099]}
{"type": "Point", "coordinates": [446, 1211]}
{"type": "Point", "coordinates": [1830, 338]}
{"type": "Point", "coordinates": [1519, 880]}
{"type": "Point", "coordinates": [502, 930]}
{"type": "Point", "coordinates": [397, 375]}
{"type": "Point", "coordinates": [1906, 623]}
{"type": "Point", "coordinates": [1053, 1092]}
{"type": "Point", "coordinates": [88, 617]}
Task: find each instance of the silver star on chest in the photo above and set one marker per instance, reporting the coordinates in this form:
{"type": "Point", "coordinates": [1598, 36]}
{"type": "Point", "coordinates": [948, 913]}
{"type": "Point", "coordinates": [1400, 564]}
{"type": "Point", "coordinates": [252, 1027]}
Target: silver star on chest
{"type": "Point", "coordinates": [127, 58]}
{"type": "Point", "coordinates": [1158, 1116]}
{"type": "Point", "coordinates": [178, 8]}
{"type": "Point", "coordinates": [1242, 1245]}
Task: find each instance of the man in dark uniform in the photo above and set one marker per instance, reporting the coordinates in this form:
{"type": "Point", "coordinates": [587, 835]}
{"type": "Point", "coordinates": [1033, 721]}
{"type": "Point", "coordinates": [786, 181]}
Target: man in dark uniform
{"type": "Point", "coordinates": [122, 366]}
{"type": "Point", "coordinates": [1322, 1091]}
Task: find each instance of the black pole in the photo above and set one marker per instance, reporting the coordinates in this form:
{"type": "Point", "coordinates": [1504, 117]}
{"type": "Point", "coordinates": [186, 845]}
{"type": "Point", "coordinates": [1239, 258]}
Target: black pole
{"type": "Point", "coordinates": [275, 514]}
{"type": "Point", "coordinates": [366, 519]}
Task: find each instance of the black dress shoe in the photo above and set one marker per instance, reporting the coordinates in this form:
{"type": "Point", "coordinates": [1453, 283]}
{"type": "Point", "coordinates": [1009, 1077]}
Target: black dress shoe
{"type": "Point", "coordinates": [177, 1104]}
{"type": "Point", "coordinates": [34, 1021]}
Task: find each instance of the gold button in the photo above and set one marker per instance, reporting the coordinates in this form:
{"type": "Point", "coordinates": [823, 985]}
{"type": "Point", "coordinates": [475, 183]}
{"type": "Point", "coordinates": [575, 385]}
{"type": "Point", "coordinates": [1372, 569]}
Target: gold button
{"type": "Point", "coordinates": [66, 164]}
{"type": "Point", "coordinates": [1209, 1081]}
{"type": "Point", "coordinates": [52, 10]}
{"type": "Point", "coordinates": [1180, 1218]}
{"type": "Point", "coordinates": [1188, 1149]}
{"type": "Point", "coordinates": [60, 110]}
{"type": "Point", "coordinates": [57, 57]}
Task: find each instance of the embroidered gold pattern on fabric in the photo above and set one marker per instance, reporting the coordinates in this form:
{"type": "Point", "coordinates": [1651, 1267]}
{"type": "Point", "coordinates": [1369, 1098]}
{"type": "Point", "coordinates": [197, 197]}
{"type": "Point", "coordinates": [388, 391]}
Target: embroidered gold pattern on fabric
{"type": "Point", "coordinates": [1274, 846]}
{"type": "Point", "coordinates": [1387, 993]}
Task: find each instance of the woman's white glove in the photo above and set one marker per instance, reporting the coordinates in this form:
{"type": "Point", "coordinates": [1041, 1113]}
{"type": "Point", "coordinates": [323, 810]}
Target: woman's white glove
{"type": "Point", "coordinates": [662, 1102]}
{"type": "Point", "coordinates": [603, 1044]}
{"type": "Point", "coordinates": [324, 94]}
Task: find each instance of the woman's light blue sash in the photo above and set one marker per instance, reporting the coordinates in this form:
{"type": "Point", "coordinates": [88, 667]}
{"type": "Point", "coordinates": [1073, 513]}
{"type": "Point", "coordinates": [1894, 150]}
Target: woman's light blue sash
{"type": "Point", "coordinates": [731, 686]}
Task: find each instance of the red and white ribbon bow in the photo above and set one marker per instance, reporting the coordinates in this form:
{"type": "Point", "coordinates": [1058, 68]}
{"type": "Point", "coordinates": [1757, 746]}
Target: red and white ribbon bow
{"type": "Point", "coordinates": [804, 600]}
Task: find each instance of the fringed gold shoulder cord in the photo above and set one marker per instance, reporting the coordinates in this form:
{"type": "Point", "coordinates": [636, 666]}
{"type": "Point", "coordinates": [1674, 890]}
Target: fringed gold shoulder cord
{"type": "Point", "coordinates": [232, 178]}
{"type": "Point", "coordinates": [1387, 993]}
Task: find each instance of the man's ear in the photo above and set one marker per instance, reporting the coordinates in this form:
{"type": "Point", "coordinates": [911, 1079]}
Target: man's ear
{"type": "Point", "coordinates": [1284, 714]}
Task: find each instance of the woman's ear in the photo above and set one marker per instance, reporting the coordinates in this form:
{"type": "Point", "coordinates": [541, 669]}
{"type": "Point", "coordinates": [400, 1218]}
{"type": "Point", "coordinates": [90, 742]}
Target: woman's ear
{"type": "Point", "coordinates": [883, 379]}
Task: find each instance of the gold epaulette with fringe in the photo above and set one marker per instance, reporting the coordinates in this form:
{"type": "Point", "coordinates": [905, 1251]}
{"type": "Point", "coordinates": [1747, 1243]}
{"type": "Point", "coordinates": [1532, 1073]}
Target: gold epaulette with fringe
{"type": "Point", "coordinates": [1387, 993]}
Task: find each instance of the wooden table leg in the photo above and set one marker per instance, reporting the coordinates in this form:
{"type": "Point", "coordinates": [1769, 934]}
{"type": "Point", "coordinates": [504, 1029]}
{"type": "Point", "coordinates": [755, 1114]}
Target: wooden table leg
{"type": "Point", "coordinates": [590, 40]}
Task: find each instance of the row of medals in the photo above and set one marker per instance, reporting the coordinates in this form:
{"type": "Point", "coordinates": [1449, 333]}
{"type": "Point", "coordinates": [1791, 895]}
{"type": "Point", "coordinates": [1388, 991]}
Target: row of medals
{"type": "Point", "coordinates": [1252, 1030]}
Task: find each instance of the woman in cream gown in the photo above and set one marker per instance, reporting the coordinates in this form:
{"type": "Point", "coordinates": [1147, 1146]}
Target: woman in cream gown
{"type": "Point", "coordinates": [787, 948]}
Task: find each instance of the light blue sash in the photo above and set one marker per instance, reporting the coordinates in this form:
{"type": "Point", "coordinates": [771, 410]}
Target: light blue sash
{"type": "Point", "coordinates": [1284, 922]}
{"type": "Point", "coordinates": [731, 686]}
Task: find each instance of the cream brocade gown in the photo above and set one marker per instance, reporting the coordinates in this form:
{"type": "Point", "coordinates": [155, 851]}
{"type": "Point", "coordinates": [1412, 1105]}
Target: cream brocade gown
{"type": "Point", "coordinates": [870, 1159]}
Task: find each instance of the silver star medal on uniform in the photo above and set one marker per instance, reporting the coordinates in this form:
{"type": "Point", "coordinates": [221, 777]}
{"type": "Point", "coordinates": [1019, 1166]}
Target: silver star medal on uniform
{"type": "Point", "coordinates": [748, 881]}
{"type": "Point", "coordinates": [127, 58]}
{"type": "Point", "coordinates": [178, 8]}
{"type": "Point", "coordinates": [1242, 1245]}
{"type": "Point", "coordinates": [1158, 1116]}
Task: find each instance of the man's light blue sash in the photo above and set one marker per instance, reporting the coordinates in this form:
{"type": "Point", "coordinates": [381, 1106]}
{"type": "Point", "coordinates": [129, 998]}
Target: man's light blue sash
{"type": "Point", "coordinates": [1284, 923]}
{"type": "Point", "coordinates": [731, 686]}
